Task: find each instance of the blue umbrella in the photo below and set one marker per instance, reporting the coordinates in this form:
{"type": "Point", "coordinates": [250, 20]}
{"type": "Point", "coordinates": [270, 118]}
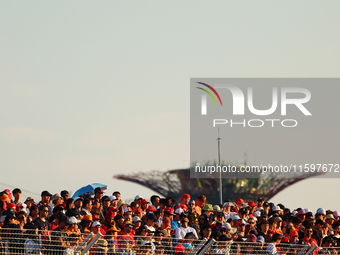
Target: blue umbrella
{"type": "Point", "coordinates": [88, 189]}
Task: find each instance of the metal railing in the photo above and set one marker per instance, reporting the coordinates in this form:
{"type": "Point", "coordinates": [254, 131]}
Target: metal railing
{"type": "Point", "coordinates": [17, 241]}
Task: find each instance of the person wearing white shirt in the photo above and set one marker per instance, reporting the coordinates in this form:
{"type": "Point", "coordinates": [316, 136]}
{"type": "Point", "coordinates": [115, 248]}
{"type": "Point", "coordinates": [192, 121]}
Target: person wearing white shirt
{"type": "Point", "coordinates": [271, 248]}
{"type": "Point", "coordinates": [184, 229]}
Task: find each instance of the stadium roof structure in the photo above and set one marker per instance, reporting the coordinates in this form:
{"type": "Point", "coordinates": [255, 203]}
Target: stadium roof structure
{"type": "Point", "coordinates": [174, 183]}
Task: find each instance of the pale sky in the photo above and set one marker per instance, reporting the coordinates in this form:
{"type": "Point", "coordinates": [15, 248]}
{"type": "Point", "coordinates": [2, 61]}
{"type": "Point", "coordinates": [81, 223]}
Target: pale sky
{"type": "Point", "coordinates": [89, 90]}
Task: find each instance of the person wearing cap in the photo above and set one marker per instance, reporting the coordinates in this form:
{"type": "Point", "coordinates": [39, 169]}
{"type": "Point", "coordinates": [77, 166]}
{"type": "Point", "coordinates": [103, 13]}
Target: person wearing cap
{"type": "Point", "coordinates": [78, 203]}
{"type": "Point", "coordinates": [85, 224]}
{"type": "Point", "coordinates": [29, 201]}
{"type": "Point", "coordinates": [301, 214]}
{"type": "Point", "coordinates": [336, 215]}
{"type": "Point", "coordinates": [320, 214]}
{"type": "Point", "coordinates": [243, 213]}
{"type": "Point", "coordinates": [239, 203]}
{"type": "Point", "coordinates": [192, 214]}
{"type": "Point", "coordinates": [216, 209]}
{"type": "Point", "coordinates": [329, 219]}
{"type": "Point", "coordinates": [266, 207]}
{"type": "Point", "coordinates": [184, 202]}
{"type": "Point", "coordinates": [278, 228]}
{"type": "Point", "coordinates": [148, 245]}
{"type": "Point", "coordinates": [126, 232]}
{"type": "Point", "coordinates": [225, 229]}
{"type": "Point", "coordinates": [56, 200]}
{"type": "Point", "coordinates": [294, 238]}
{"type": "Point", "coordinates": [127, 214]}
{"type": "Point", "coordinates": [176, 222]}
{"type": "Point", "coordinates": [158, 237]}
{"type": "Point", "coordinates": [184, 229]}
{"type": "Point", "coordinates": [96, 210]}
{"type": "Point", "coordinates": [251, 209]}
{"type": "Point", "coordinates": [108, 222]}
{"type": "Point", "coordinates": [141, 234]}
{"type": "Point", "coordinates": [220, 217]}
{"type": "Point", "coordinates": [106, 202]}
{"type": "Point", "coordinates": [233, 223]}
{"type": "Point", "coordinates": [137, 222]}
{"type": "Point", "coordinates": [138, 199]}
{"type": "Point", "coordinates": [59, 237]}
{"type": "Point", "coordinates": [5, 198]}
{"type": "Point", "coordinates": [228, 209]}
{"type": "Point", "coordinates": [241, 227]}
{"type": "Point", "coordinates": [9, 194]}
{"type": "Point", "coordinates": [45, 200]}
{"type": "Point", "coordinates": [95, 227]}
{"type": "Point", "coordinates": [277, 209]}
{"type": "Point", "coordinates": [98, 195]}
{"type": "Point", "coordinates": [73, 227]}
{"type": "Point", "coordinates": [208, 210]}
{"type": "Point", "coordinates": [167, 218]}
{"type": "Point", "coordinates": [138, 212]}
{"type": "Point", "coordinates": [54, 221]}
{"type": "Point", "coordinates": [144, 204]}
{"type": "Point", "coordinates": [11, 220]}
{"type": "Point", "coordinates": [111, 237]}
{"type": "Point", "coordinates": [264, 227]}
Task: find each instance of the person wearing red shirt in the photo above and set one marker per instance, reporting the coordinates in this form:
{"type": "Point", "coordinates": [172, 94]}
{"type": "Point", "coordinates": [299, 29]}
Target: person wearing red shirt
{"type": "Point", "coordinates": [108, 223]}
{"type": "Point", "coordinates": [126, 232]}
{"type": "Point", "coordinates": [308, 236]}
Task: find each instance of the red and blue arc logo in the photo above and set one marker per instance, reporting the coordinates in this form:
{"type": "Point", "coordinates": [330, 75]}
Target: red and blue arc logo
{"type": "Point", "coordinates": [209, 93]}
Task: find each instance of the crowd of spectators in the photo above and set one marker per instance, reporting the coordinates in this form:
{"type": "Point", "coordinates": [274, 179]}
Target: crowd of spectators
{"type": "Point", "coordinates": [162, 226]}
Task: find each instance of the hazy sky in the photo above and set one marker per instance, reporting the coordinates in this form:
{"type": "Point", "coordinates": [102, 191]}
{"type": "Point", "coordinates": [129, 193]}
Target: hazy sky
{"type": "Point", "coordinates": [93, 89]}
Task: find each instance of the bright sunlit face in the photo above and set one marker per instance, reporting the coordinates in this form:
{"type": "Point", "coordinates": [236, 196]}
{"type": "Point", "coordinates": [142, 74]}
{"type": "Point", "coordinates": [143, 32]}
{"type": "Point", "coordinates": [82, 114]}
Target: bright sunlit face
{"type": "Point", "coordinates": [185, 200]}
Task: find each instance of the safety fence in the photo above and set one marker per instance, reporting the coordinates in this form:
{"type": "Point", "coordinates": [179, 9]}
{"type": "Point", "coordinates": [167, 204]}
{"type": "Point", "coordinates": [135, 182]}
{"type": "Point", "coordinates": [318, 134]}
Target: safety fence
{"type": "Point", "coordinates": [17, 241]}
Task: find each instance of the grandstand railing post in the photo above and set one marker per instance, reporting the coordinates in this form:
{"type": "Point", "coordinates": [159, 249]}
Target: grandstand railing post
{"type": "Point", "coordinates": [207, 246]}
{"type": "Point", "coordinates": [304, 249]}
{"type": "Point", "coordinates": [6, 247]}
{"type": "Point", "coordinates": [92, 242]}
{"type": "Point", "coordinates": [227, 252]}
{"type": "Point", "coordinates": [40, 243]}
{"type": "Point", "coordinates": [311, 249]}
{"type": "Point", "coordinates": [198, 247]}
{"type": "Point", "coordinates": [89, 236]}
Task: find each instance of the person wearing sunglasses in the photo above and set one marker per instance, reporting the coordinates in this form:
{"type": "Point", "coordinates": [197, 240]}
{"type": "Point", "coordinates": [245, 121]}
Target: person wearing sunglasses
{"type": "Point", "coordinates": [41, 223]}
{"type": "Point", "coordinates": [22, 219]}
{"type": "Point", "coordinates": [308, 239]}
